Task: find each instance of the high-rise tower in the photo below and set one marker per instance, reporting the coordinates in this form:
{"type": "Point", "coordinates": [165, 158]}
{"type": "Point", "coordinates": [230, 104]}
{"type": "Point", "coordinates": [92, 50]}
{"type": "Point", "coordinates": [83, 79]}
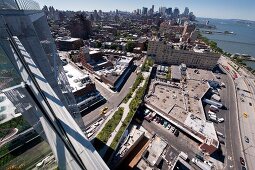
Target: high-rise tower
{"type": "Point", "coordinates": [38, 86]}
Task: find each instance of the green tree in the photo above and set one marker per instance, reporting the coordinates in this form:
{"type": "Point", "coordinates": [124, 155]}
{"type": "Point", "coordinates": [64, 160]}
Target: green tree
{"type": "Point", "coordinates": [130, 46]}
{"type": "Point", "coordinates": [114, 47]}
{"type": "Point", "coordinates": [98, 44]}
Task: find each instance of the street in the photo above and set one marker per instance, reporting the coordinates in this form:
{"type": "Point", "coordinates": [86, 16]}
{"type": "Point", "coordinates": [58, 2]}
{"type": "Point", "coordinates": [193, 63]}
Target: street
{"type": "Point", "coordinates": [246, 127]}
{"type": "Point", "coordinates": [113, 98]}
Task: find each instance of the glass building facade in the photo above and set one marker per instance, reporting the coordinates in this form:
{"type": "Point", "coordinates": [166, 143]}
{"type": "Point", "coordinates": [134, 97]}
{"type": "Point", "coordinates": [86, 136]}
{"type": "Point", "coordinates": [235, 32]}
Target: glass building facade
{"type": "Point", "coordinates": [36, 102]}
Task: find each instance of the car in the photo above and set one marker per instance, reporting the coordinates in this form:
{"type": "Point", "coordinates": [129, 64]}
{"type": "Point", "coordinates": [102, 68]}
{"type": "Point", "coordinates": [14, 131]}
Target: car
{"type": "Point", "coordinates": [158, 120]}
{"type": "Point", "coordinates": [168, 126]}
{"type": "Point", "coordinates": [243, 168]}
{"type": "Point", "coordinates": [242, 161]}
{"type": "Point", "coordinates": [165, 124]}
{"type": "Point", "coordinates": [200, 157]}
{"type": "Point", "coordinates": [250, 104]}
{"type": "Point", "coordinates": [220, 120]}
{"type": "Point", "coordinates": [104, 110]}
{"type": "Point", "coordinates": [173, 128]}
{"type": "Point", "coordinates": [162, 121]}
{"type": "Point", "coordinates": [176, 132]}
{"type": "Point", "coordinates": [210, 163]}
{"type": "Point", "coordinates": [222, 142]}
{"type": "Point", "coordinates": [246, 139]}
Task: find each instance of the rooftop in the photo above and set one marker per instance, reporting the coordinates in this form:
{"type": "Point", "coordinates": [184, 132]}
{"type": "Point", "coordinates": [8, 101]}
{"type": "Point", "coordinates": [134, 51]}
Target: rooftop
{"type": "Point", "coordinates": [201, 125]}
{"type": "Point", "coordinates": [176, 72]}
{"type": "Point", "coordinates": [155, 150]}
{"type": "Point", "coordinates": [133, 137]}
{"type": "Point", "coordinates": [120, 66]}
{"type": "Point", "coordinates": [75, 76]}
{"type": "Point", "coordinates": [178, 101]}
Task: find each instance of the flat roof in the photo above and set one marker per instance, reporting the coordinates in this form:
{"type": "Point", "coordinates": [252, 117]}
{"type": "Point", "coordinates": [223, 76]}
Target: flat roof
{"type": "Point", "coordinates": [176, 72]}
{"type": "Point", "coordinates": [177, 102]}
{"type": "Point", "coordinates": [156, 149]}
{"type": "Point", "coordinates": [202, 126]}
{"type": "Point", "coordinates": [119, 67]}
{"type": "Point", "coordinates": [143, 165]}
{"type": "Point", "coordinates": [132, 138]}
{"type": "Point", "coordinates": [74, 77]}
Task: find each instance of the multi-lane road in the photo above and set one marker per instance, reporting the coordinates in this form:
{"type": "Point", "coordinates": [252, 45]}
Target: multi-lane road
{"type": "Point", "coordinates": [242, 121]}
{"type": "Point", "coordinates": [231, 128]}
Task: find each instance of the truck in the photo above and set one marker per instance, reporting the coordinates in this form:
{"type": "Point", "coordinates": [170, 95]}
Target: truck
{"type": "Point", "coordinates": [214, 108]}
{"type": "Point", "coordinates": [201, 165]}
{"type": "Point", "coordinates": [216, 97]}
{"type": "Point", "coordinates": [211, 102]}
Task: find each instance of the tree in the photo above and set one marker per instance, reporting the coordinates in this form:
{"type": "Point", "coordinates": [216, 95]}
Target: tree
{"type": "Point", "coordinates": [130, 46]}
{"type": "Point", "coordinates": [114, 47]}
{"type": "Point", "coordinates": [98, 44]}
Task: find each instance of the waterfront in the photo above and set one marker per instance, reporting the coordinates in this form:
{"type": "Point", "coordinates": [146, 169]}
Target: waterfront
{"type": "Point", "coordinates": [243, 39]}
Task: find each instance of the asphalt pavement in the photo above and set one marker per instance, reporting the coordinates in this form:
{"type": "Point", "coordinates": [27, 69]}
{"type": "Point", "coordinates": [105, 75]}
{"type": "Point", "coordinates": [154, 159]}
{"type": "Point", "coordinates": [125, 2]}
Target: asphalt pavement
{"type": "Point", "coordinates": [113, 99]}
{"type": "Point", "coordinates": [234, 145]}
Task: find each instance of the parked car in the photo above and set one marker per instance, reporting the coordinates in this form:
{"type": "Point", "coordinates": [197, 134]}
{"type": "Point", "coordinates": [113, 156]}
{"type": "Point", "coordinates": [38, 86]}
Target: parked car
{"type": "Point", "coordinates": [168, 126]}
{"type": "Point", "coordinates": [165, 124]}
{"type": "Point", "coordinates": [222, 142]}
{"type": "Point", "coordinates": [250, 104]}
{"type": "Point", "coordinates": [173, 128]}
{"type": "Point", "coordinates": [157, 119]}
{"type": "Point", "coordinates": [176, 132]}
{"type": "Point", "coordinates": [246, 139]}
{"type": "Point", "coordinates": [242, 161]}
{"type": "Point", "coordinates": [162, 121]}
{"type": "Point", "coordinates": [210, 163]}
{"type": "Point", "coordinates": [220, 120]}
{"type": "Point", "coordinates": [200, 157]}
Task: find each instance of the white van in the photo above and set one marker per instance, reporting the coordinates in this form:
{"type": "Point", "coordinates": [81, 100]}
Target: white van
{"type": "Point", "coordinates": [211, 113]}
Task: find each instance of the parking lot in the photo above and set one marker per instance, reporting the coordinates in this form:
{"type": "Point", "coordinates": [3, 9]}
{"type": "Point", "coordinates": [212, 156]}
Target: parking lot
{"type": "Point", "coordinates": [179, 141]}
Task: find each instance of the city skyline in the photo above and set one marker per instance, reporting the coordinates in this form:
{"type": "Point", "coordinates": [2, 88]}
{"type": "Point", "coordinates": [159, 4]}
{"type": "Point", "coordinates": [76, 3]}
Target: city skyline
{"type": "Point", "coordinates": [234, 10]}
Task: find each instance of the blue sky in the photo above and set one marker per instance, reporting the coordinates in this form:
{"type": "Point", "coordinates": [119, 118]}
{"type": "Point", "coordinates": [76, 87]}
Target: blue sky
{"type": "Point", "coordinates": [231, 9]}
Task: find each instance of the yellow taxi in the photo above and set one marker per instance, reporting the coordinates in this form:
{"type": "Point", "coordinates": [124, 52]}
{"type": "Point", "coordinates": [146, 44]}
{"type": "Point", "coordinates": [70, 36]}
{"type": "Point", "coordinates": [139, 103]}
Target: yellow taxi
{"type": "Point", "coordinates": [245, 114]}
{"type": "Point", "coordinates": [104, 110]}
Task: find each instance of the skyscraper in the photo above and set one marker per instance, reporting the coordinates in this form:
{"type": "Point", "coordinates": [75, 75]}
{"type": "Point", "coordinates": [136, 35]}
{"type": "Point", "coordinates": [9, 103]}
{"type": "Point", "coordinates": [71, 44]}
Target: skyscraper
{"type": "Point", "coordinates": [176, 12]}
{"type": "Point", "coordinates": [151, 10]}
{"type": "Point", "coordinates": [145, 11]}
{"type": "Point", "coordinates": [186, 11]}
{"type": "Point", "coordinates": [41, 91]}
{"type": "Point", "coordinates": [169, 11]}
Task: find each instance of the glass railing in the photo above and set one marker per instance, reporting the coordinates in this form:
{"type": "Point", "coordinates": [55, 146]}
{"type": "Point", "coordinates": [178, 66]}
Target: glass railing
{"type": "Point", "coordinates": [19, 4]}
{"type": "Point", "coordinates": [21, 147]}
